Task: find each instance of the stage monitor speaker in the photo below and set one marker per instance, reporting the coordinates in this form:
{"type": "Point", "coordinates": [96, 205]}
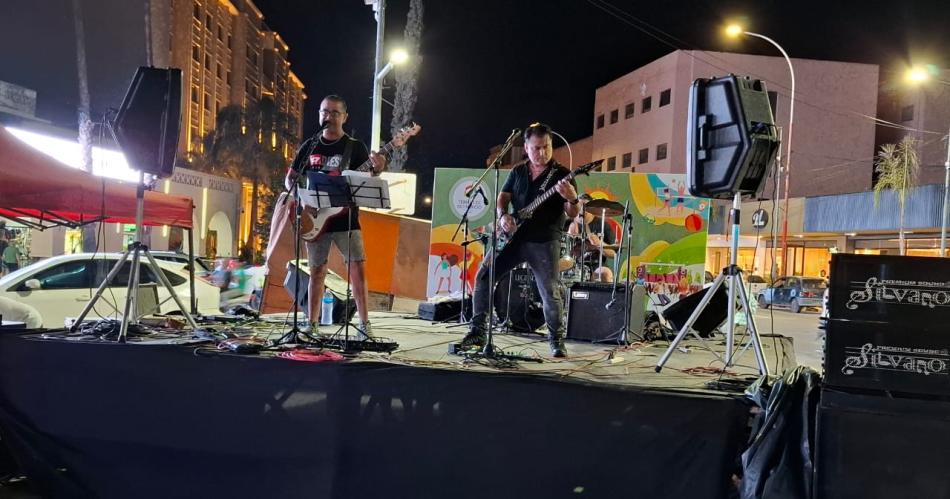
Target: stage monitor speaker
{"type": "Point", "coordinates": [731, 138]}
{"type": "Point", "coordinates": [339, 306]}
{"type": "Point", "coordinates": [148, 122]}
{"type": "Point", "coordinates": [589, 318]}
{"type": "Point", "coordinates": [711, 317]}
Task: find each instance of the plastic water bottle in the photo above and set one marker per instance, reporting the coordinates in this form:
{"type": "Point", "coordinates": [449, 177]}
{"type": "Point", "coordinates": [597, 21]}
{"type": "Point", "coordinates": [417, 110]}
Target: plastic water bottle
{"type": "Point", "coordinates": [326, 309]}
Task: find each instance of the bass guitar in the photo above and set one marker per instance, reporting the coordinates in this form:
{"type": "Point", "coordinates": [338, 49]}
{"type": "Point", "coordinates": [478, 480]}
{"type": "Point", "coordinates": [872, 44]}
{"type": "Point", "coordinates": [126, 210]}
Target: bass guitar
{"type": "Point", "coordinates": [503, 238]}
{"type": "Point", "coordinates": [314, 221]}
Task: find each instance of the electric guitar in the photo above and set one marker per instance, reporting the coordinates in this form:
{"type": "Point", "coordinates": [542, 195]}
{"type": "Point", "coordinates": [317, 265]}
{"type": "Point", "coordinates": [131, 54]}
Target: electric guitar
{"type": "Point", "coordinates": [314, 221]}
{"type": "Point", "coordinates": [502, 238]}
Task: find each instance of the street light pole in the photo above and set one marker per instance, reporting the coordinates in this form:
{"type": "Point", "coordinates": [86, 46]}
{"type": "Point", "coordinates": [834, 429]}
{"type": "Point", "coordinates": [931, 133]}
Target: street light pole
{"type": "Point", "coordinates": [788, 153]}
{"type": "Point", "coordinates": [946, 196]}
{"type": "Point", "coordinates": [379, 72]}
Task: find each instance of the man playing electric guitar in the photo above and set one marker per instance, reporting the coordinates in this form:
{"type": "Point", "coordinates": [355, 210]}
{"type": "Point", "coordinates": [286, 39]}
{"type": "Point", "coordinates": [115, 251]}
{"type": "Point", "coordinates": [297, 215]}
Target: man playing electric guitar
{"type": "Point", "coordinates": [537, 239]}
{"type": "Point", "coordinates": [330, 152]}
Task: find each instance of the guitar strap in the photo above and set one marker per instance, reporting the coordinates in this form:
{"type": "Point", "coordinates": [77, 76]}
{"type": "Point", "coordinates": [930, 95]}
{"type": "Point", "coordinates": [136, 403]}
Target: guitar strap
{"type": "Point", "coordinates": [547, 179]}
{"type": "Point", "coordinates": [347, 153]}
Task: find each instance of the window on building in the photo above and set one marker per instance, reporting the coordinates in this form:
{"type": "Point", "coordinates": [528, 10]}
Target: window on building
{"type": "Point", "coordinates": [644, 156]}
{"type": "Point", "coordinates": [907, 113]}
{"type": "Point", "coordinates": [661, 152]}
{"type": "Point", "coordinates": [646, 104]}
{"type": "Point", "coordinates": [229, 41]}
{"type": "Point", "coordinates": [664, 97]}
{"type": "Point", "coordinates": [194, 94]}
{"type": "Point", "coordinates": [611, 163]}
{"type": "Point", "coordinates": [217, 107]}
{"type": "Point", "coordinates": [614, 116]}
{"type": "Point", "coordinates": [628, 111]}
{"type": "Point", "coordinates": [207, 102]}
{"type": "Point", "coordinates": [228, 77]}
{"type": "Point", "coordinates": [208, 21]}
{"type": "Point", "coordinates": [207, 61]}
{"type": "Point", "coordinates": [195, 53]}
{"type": "Point", "coordinates": [197, 12]}
{"type": "Point", "coordinates": [220, 71]}
{"type": "Point", "coordinates": [773, 101]}
{"type": "Point", "coordinates": [627, 161]}
{"type": "Point", "coordinates": [220, 33]}
{"type": "Point", "coordinates": [600, 121]}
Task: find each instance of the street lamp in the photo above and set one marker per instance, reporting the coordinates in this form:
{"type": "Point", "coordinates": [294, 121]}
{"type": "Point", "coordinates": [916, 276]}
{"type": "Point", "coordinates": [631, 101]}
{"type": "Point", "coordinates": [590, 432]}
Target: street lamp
{"type": "Point", "coordinates": [396, 57]}
{"type": "Point", "coordinates": [734, 31]}
{"type": "Point", "coordinates": [917, 76]}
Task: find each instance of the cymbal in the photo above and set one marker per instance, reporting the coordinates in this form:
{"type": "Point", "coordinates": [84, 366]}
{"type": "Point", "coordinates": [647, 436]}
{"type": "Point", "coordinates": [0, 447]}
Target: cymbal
{"type": "Point", "coordinates": [604, 207]}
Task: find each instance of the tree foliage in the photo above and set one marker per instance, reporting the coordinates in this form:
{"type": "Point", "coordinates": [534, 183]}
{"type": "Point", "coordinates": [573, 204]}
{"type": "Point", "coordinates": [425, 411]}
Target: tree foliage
{"type": "Point", "coordinates": [897, 167]}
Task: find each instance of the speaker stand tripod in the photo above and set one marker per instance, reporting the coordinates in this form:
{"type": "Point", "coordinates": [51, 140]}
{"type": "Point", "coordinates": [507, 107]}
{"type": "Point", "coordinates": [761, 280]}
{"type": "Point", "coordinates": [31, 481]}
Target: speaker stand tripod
{"type": "Point", "coordinates": [733, 274]}
{"type": "Point", "coordinates": [135, 250]}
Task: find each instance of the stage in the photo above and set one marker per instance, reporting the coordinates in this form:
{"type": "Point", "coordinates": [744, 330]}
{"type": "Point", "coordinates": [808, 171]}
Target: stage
{"type": "Point", "coordinates": [161, 417]}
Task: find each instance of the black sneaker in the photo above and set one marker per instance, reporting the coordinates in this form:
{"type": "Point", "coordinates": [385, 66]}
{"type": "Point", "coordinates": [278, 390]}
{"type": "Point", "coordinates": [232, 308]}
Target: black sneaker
{"type": "Point", "coordinates": [558, 349]}
{"type": "Point", "coordinates": [474, 338]}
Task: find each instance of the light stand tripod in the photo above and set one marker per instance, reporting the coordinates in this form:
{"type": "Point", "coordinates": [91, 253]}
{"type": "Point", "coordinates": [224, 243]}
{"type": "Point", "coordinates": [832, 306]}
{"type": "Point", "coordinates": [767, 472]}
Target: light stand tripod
{"type": "Point", "coordinates": [135, 250]}
{"type": "Point", "coordinates": [734, 275]}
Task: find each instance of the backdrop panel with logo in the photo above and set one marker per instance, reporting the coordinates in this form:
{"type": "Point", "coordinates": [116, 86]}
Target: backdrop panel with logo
{"type": "Point", "coordinates": [669, 230]}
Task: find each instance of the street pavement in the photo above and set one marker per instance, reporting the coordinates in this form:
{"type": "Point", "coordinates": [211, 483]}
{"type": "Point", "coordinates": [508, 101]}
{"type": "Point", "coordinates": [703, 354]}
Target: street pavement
{"type": "Point", "coordinates": [801, 327]}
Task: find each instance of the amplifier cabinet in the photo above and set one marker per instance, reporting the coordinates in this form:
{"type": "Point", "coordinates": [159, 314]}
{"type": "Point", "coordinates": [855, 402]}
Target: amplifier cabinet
{"type": "Point", "coordinates": [911, 291]}
{"type": "Point", "coordinates": [589, 318]}
{"type": "Point", "coordinates": [877, 447]}
{"type": "Point", "coordinates": [887, 357]}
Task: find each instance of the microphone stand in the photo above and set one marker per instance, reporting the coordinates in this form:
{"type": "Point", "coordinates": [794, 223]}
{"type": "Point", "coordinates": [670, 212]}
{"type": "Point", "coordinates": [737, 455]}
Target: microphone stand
{"type": "Point", "coordinates": [463, 226]}
{"type": "Point", "coordinates": [626, 235]}
{"type": "Point", "coordinates": [294, 335]}
{"type": "Point", "coordinates": [488, 351]}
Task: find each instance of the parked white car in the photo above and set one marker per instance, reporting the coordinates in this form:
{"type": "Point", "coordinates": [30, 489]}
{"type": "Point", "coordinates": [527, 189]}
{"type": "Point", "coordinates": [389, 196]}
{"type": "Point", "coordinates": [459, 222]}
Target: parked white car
{"type": "Point", "coordinates": [59, 287]}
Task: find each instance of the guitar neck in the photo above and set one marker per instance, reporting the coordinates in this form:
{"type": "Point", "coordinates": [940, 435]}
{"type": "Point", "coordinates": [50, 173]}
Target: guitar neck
{"type": "Point", "coordinates": [386, 151]}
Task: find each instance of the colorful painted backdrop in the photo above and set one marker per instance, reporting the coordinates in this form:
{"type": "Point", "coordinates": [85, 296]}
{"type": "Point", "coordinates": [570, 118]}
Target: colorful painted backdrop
{"type": "Point", "coordinates": [669, 230]}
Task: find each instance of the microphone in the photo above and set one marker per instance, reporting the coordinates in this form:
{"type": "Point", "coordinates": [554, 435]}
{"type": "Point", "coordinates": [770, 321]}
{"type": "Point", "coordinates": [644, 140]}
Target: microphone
{"type": "Point", "coordinates": [514, 133]}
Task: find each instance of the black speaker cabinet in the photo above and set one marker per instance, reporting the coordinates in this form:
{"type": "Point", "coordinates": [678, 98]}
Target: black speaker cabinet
{"type": "Point", "coordinates": [912, 292]}
{"type": "Point", "coordinates": [590, 319]}
{"type": "Point", "coordinates": [339, 306]}
{"type": "Point", "coordinates": [444, 309]}
{"type": "Point", "coordinates": [730, 137]}
{"type": "Point", "coordinates": [714, 314]}
{"type": "Point", "coordinates": [879, 447]}
{"type": "Point", "coordinates": [149, 120]}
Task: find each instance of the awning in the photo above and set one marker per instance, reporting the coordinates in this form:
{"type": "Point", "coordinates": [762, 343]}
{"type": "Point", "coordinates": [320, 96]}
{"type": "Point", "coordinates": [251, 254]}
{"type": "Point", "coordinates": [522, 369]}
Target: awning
{"type": "Point", "coordinates": [40, 191]}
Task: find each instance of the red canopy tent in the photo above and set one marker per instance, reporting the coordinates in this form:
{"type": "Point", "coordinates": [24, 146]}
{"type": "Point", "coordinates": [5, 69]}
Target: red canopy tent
{"type": "Point", "coordinates": [41, 192]}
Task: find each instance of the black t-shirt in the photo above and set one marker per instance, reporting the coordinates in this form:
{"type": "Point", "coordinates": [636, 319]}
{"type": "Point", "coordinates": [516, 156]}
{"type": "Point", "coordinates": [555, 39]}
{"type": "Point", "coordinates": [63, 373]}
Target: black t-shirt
{"type": "Point", "coordinates": [547, 222]}
{"type": "Point", "coordinates": [328, 159]}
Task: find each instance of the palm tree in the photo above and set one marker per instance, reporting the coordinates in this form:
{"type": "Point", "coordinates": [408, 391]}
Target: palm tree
{"type": "Point", "coordinates": [84, 113]}
{"type": "Point", "coordinates": [245, 144]}
{"type": "Point", "coordinates": [896, 167]}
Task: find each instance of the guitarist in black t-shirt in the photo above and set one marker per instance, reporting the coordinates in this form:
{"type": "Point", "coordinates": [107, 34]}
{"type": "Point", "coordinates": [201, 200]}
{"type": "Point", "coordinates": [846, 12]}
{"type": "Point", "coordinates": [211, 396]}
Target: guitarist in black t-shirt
{"type": "Point", "coordinates": [330, 152]}
{"type": "Point", "coordinates": [537, 239]}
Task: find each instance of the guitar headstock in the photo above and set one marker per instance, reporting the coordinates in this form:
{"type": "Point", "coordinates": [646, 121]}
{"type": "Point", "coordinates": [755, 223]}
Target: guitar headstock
{"type": "Point", "coordinates": [403, 135]}
{"type": "Point", "coordinates": [585, 169]}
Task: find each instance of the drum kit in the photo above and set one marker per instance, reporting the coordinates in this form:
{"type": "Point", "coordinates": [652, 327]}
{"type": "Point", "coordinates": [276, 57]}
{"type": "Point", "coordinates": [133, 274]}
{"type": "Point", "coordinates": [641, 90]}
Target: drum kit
{"type": "Point", "coordinates": [516, 299]}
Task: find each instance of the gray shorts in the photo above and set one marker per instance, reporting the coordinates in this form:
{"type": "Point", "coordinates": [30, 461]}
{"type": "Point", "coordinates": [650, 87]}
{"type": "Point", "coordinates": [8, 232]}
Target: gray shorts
{"type": "Point", "coordinates": [318, 251]}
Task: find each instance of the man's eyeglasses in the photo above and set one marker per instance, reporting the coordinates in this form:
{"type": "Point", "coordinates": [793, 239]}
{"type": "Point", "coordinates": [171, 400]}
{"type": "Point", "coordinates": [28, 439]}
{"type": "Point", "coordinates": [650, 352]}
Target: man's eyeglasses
{"type": "Point", "coordinates": [327, 112]}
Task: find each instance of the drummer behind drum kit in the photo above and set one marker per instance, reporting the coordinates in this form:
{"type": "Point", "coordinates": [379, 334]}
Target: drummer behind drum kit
{"type": "Point", "coordinates": [516, 299]}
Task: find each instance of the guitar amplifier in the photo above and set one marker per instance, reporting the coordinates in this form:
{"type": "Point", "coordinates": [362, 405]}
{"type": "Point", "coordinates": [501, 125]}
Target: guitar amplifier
{"type": "Point", "coordinates": [589, 318]}
{"type": "Point", "coordinates": [887, 357]}
{"type": "Point", "coordinates": [911, 291]}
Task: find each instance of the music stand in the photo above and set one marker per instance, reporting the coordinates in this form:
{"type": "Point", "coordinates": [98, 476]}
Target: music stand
{"type": "Point", "coordinates": [335, 195]}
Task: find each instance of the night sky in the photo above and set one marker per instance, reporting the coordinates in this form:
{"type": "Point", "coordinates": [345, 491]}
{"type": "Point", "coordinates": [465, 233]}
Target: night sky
{"type": "Point", "coordinates": [488, 65]}
{"type": "Point", "coordinates": [493, 65]}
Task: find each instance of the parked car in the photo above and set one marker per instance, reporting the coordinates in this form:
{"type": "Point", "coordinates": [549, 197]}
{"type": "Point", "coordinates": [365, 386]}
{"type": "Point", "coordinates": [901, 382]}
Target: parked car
{"type": "Point", "coordinates": [793, 292]}
{"type": "Point", "coordinates": [59, 287]}
{"type": "Point", "coordinates": [201, 268]}
{"type": "Point", "coordinates": [756, 283]}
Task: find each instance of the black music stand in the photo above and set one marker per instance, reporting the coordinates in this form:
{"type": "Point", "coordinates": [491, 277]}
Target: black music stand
{"type": "Point", "coordinates": [349, 191]}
